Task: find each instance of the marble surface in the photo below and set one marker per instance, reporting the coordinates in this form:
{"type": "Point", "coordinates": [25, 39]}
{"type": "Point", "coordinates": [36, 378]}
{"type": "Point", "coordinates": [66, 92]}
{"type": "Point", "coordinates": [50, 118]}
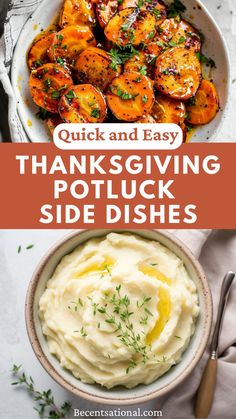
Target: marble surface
{"type": "Point", "coordinates": [15, 273]}
{"type": "Point", "coordinates": [224, 12]}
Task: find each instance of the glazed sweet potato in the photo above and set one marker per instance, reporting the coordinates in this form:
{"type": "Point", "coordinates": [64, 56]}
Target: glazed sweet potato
{"type": "Point", "coordinates": [83, 103]}
{"type": "Point", "coordinates": [69, 42]}
{"type": "Point", "coordinates": [154, 6]}
{"type": "Point", "coordinates": [167, 110]}
{"type": "Point", "coordinates": [166, 30]}
{"type": "Point", "coordinates": [37, 55]}
{"type": "Point", "coordinates": [131, 26]}
{"type": "Point", "coordinates": [186, 36]}
{"type": "Point", "coordinates": [178, 73]}
{"type": "Point", "coordinates": [77, 12]}
{"type": "Point", "coordinates": [47, 84]}
{"type": "Point", "coordinates": [94, 66]}
{"type": "Point", "coordinates": [154, 49]}
{"type": "Point", "coordinates": [137, 63]}
{"type": "Point", "coordinates": [105, 9]}
{"type": "Point", "coordinates": [204, 105]}
{"type": "Point", "coordinates": [130, 96]}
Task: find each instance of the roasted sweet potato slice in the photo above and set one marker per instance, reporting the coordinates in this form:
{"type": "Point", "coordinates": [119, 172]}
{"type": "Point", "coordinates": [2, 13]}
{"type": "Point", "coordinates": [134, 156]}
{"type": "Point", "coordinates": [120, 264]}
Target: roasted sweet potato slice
{"type": "Point", "coordinates": [204, 105]}
{"type": "Point", "coordinates": [105, 9]}
{"type": "Point", "coordinates": [37, 55]}
{"type": "Point", "coordinates": [178, 73]}
{"type": "Point", "coordinates": [77, 12]}
{"type": "Point", "coordinates": [137, 63]}
{"type": "Point", "coordinates": [130, 96]}
{"type": "Point", "coordinates": [167, 110]}
{"type": "Point", "coordinates": [69, 42]}
{"type": "Point", "coordinates": [131, 26]}
{"type": "Point", "coordinates": [47, 84]}
{"type": "Point", "coordinates": [83, 103]}
{"type": "Point", "coordinates": [94, 66]}
{"type": "Point", "coordinates": [154, 6]}
{"type": "Point", "coordinates": [186, 36]}
{"type": "Point", "coordinates": [166, 30]}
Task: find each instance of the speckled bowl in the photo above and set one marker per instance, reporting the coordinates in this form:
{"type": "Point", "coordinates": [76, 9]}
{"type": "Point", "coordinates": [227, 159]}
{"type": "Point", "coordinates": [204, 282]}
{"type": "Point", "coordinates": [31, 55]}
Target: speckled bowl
{"type": "Point", "coordinates": [117, 396]}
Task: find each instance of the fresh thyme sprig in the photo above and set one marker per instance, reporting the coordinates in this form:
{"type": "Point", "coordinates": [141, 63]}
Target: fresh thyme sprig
{"type": "Point", "coordinates": [46, 406]}
{"type": "Point", "coordinates": [116, 311]}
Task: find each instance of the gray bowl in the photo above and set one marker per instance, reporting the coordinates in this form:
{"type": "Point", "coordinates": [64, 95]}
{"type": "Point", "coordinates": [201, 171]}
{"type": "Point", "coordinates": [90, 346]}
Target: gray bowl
{"type": "Point", "coordinates": [118, 396]}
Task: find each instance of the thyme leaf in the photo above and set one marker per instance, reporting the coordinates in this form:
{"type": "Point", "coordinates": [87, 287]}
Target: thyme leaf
{"type": "Point", "coordinates": [45, 404]}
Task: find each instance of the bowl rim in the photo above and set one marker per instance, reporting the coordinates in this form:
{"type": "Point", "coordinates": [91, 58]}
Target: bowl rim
{"type": "Point", "coordinates": [55, 374]}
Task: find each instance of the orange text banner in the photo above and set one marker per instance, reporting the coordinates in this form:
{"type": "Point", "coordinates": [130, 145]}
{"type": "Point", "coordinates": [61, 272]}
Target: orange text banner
{"type": "Point", "coordinates": [44, 187]}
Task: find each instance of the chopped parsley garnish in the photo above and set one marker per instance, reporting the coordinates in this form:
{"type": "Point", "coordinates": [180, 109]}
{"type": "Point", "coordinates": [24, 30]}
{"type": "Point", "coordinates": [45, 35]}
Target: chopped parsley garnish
{"type": "Point", "coordinates": [47, 83]}
{"type": "Point", "coordinates": [70, 95]}
{"type": "Point", "coordinates": [181, 40]}
{"type": "Point", "coordinates": [156, 13]}
{"type": "Point", "coordinates": [140, 4]}
{"type": "Point", "coordinates": [143, 70]}
{"type": "Point", "coordinates": [175, 9]}
{"type": "Point", "coordinates": [123, 95]}
{"type": "Point", "coordinates": [144, 98]}
{"type": "Point", "coordinates": [151, 34]}
{"type": "Point", "coordinates": [60, 61]}
{"type": "Point", "coordinates": [55, 94]}
{"type": "Point", "coordinates": [205, 60]}
{"type": "Point", "coordinates": [161, 44]}
{"type": "Point", "coordinates": [60, 37]}
{"type": "Point", "coordinates": [166, 72]}
{"type": "Point", "coordinates": [43, 114]}
{"type": "Point", "coordinates": [39, 63]}
{"type": "Point", "coordinates": [121, 55]}
{"type": "Point", "coordinates": [95, 113]}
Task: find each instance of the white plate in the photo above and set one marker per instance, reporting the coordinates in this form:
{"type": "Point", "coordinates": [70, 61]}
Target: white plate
{"type": "Point", "coordinates": [214, 47]}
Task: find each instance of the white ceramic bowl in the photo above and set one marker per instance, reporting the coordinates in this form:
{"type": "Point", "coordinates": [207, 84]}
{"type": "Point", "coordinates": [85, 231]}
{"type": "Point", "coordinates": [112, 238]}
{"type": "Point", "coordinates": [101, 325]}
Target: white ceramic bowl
{"type": "Point", "coordinates": [196, 13]}
{"type": "Point", "coordinates": [118, 396]}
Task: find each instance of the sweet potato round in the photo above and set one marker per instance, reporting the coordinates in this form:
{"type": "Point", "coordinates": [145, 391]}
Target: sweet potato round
{"type": "Point", "coordinates": [205, 104]}
{"type": "Point", "coordinates": [82, 103]}
{"type": "Point", "coordinates": [47, 84]}
{"type": "Point", "coordinates": [37, 55]}
{"type": "Point", "coordinates": [136, 63]}
{"type": "Point", "coordinates": [186, 36]}
{"type": "Point", "coordinates": [69, 42]}
{"type": "Point", "coordinates": [154, 6]}
{"type": "Point", "coordinates": [178, 73]}
{"type": "Point", "coordinates": [130, 96]}
{"type": "Point", "coordinates": [77, 12]}
{"type": "Point", "coordinates": [167, 110]}
{"type": "Point", "coordinates": [105, 9]}
{"type": "Point", "coordinates": [94, 66]}
{"type": "Point", "coordinates": [131, 26]}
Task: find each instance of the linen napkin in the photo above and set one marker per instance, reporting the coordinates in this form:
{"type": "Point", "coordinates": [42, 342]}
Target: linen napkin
{"type": "Point", "coordinates": [17, 14]}
{"type": "Point", "coordinates": [217, 256]}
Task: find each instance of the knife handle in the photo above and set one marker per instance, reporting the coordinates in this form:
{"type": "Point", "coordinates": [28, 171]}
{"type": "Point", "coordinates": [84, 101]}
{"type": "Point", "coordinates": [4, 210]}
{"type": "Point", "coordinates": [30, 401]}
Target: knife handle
{"type": "Point", "coordinates": [206, 390]}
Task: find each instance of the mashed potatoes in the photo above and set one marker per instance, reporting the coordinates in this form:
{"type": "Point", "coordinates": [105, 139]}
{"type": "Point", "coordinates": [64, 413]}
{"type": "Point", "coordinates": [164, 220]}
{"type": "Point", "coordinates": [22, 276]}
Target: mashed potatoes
{"type": "Point", "coordinates": [119, 310]}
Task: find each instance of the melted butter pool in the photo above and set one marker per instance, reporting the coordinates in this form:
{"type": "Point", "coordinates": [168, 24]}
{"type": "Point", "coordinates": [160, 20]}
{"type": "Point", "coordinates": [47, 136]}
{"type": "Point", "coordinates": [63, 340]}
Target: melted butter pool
{"type": "Point", "coordinates": [164, 302]}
